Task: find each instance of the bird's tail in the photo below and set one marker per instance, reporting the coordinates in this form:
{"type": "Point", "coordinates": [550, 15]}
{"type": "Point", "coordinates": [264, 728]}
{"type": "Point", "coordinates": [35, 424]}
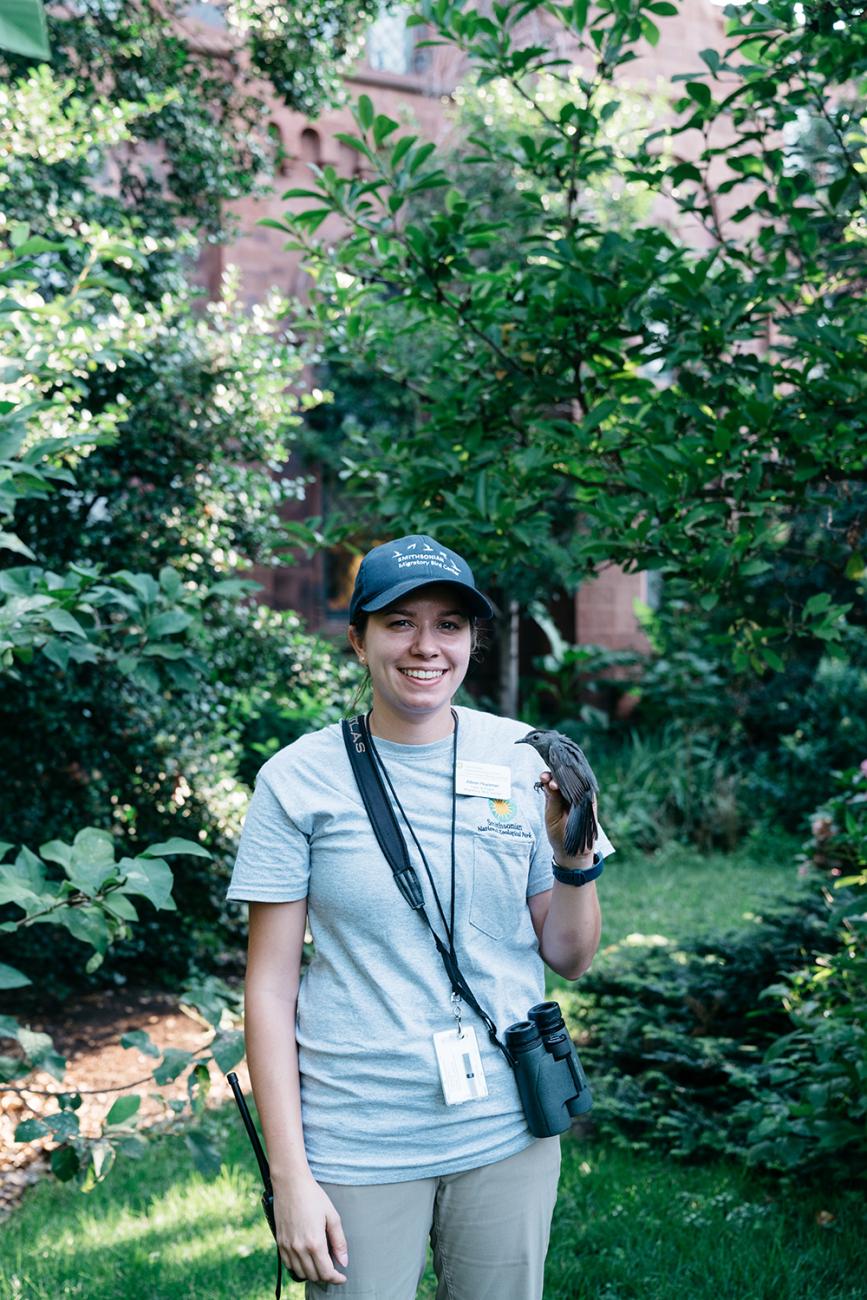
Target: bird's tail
{"type": "Point", "coordinates": [581, 827]}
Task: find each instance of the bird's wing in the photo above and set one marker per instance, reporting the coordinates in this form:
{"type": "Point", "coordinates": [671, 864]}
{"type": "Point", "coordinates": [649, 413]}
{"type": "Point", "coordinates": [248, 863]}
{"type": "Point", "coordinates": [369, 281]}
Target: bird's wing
{"type": "Point", "coordinates": [570, 770]}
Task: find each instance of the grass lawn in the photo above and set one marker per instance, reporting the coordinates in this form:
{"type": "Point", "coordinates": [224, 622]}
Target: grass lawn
{"type": "Point", "coordinates": [627, 1225]}
{"type": "Point", "coordinates": [681, 893]}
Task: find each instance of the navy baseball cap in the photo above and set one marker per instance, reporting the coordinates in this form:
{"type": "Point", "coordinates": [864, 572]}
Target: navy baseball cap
{"type": "Point", "coordinates": [395, 568]}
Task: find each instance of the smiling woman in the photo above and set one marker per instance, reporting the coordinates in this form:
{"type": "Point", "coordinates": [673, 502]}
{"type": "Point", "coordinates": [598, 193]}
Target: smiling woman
{"type": "Point", "coordinates": [363, 1124]}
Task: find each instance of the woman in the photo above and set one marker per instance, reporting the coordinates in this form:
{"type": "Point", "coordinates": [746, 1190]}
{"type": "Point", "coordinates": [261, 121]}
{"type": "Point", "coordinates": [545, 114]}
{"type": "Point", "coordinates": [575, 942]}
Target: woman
{"type": "Point", "coordinates": [368, 1160]}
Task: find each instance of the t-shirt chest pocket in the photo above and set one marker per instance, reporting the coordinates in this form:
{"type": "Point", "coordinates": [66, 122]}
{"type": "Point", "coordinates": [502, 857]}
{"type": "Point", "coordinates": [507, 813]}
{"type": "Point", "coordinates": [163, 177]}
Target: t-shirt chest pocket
{"type": "Point", "coordinates": [499, 894]}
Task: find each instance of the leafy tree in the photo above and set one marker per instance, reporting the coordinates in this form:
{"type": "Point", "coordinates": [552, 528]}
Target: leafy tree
{"type": "Point", "coordinates": [611, 392]}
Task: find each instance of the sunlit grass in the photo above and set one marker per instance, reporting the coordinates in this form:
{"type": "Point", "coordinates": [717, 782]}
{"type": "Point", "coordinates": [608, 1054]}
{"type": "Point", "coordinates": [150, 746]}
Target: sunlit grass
{"type": "Point", "coordinates": [628, 1224]}
{"type": "Point", "coordinates": [681, 892]}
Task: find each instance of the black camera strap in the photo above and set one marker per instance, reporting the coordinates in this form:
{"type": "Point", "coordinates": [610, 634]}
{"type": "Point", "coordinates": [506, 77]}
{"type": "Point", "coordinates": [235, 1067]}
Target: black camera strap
{"type": "Point", "coordinates": [363, 759]}
{"type": "Point", "coordinates": [264, 1170]}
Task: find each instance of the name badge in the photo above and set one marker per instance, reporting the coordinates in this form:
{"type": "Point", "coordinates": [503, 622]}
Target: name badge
{"type": "Point", "coordinates": [489, 780]}
{"type": "Point", "coordinates": [460, 1065]}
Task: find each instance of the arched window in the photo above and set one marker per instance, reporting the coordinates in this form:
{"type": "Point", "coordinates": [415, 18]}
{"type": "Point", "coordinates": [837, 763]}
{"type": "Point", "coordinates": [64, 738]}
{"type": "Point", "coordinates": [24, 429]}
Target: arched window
{"type": "Point", "coordinates": [310, 146]}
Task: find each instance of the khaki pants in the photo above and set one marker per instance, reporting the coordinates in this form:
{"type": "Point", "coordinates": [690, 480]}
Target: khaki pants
{"type": "Point", "coordinates": [488, 1228]}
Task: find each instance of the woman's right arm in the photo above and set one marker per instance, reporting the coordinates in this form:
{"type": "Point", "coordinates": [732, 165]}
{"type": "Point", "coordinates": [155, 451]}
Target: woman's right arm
{"type": "Point", "coordinates": [309, 1231]}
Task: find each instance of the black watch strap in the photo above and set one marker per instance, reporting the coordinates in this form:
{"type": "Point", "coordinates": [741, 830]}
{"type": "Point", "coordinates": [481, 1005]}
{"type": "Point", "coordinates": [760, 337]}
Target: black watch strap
{"type": "Point", "coordinates": [577, 875]}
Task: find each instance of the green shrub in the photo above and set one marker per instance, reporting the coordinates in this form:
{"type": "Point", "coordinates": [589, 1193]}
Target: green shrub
{"type": "Point", "coordinates": [812, 1109]}
{"type": "Point", "coordinates": [753, 1043]}
{"type": "Point", "coordinates": [663, 785]}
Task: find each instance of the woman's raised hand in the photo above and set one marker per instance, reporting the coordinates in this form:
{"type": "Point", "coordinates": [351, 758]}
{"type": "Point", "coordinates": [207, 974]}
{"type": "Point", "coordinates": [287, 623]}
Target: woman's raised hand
{"type": "Point", "coordinates": [309, 1232]}
{"type": "Point", "coordinates": [556, 816]}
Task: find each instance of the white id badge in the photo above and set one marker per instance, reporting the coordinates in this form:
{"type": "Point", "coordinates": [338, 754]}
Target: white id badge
{"type": "Point", "coordinates": [491, 780]}
{"type": "Point", "coordinates": [460, 1065]}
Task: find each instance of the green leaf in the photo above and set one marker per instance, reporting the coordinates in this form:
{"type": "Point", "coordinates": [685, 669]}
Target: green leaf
{"type": "Point", "coordinates": [649, 30]}
{"type": "Point", "coordinates": [10, 542]}
{"type": "Point", "coordinates": [772, 658]}
{"type": "Point", "coordinates": [151, 878]}
{"type": "Point", "coordinates": [39, 1050]}
{"type": "Point", "coordinates": [23, 29]}
{"type": "Point", "coordinates": [30, 1129]}
{"type": "Point", "coordinates": [144, 586]}
{"type": "Point", "coordinates": [142, 1041]}
{"type": "Point", "coordinates": [170, 581]}
{"type": "Point", "coordinates": [93, 845]}
{"type": "Point", "coordinates": [9, 1028]}
{"type": "Point", "coordinates": [58, 652]}
{"type": "Point", "coordinates": [227, 1049]}
{"type": "Point", "coordinates": [711, 58]}
{"type": "Point", "coordinates": [123, 1109]}
{"type": "Point", "coordinates": [402, 148]}
{"type": "Point", "coordinates": [88, 925]}
{"type": "Point", "coordinates": [64, 1163]}
{"type": "Point", "coordinates": [10, 978]}
{"type": "Point", "coordinates": [145, 676]}
{"type": "Point", "coordinates": [92, 860]}
{"type": "Point", "coordinates": [233, 587]}
{"type": "Point", "coordinates": [63, 1125]}
{"type": "Point", "coordinates": [365, 111]}
{"type": "Point", "coordinates": [206, 1157]}
{"type": "Point", "coordinates": [383, 127]}
{"type": "Point", "coordinates": [22, 881]}
{"type": "Point", "coordinates": [698, 91]}
{"type": "Point", "coordinates": [198, 1087]}
{"type": "Point", "coordinates": [351, 142]}
{"type": "Point", "coordinates": [62, 621]}
{"type": "Point", "coordinates": [174, 1061]}
{"type": "Point", "coordinates": [174, 620]}
{"type": "Point", "coordinates": [817, 603]}
{"type": "Point", "coordinates": [102, 1156]}
{"type": "Point", "coordinates": [117, 904]}
{"type": "Point", "coordinates": [56, 851]}
{"type": "Point", "coordinates": [176, 846]}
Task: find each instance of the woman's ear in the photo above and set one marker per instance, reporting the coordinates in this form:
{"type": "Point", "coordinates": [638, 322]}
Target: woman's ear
{"type": "Point", "coordinates": [357, 644]}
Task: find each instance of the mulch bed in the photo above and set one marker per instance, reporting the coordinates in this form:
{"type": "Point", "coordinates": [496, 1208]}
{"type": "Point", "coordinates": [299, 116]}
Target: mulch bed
{"type": "Point", "coordinates": [87, 1033]}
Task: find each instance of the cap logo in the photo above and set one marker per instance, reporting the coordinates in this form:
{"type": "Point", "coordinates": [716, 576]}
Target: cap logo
{"type": "Point", "coordinates": [430, 559]}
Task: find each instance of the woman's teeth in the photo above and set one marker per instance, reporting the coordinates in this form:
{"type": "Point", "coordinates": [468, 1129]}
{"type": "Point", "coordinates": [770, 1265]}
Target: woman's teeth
{"type": "Point", "coordinates": [423, 674]}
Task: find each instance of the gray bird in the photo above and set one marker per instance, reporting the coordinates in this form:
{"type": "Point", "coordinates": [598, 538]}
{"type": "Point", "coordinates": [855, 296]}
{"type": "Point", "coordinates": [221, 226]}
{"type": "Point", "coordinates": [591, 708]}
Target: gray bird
{"type": "Point", "coordinates": [574, 776]}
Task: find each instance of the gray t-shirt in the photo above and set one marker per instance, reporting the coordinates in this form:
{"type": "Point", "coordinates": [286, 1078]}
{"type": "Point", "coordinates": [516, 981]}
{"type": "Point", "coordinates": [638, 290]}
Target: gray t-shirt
{"type": "Point", "coordinates": [375, 991]}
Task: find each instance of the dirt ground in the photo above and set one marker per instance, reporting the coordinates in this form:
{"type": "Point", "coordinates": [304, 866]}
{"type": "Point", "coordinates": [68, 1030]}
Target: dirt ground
{"type": "Point", "coordinates": [88, 1035]}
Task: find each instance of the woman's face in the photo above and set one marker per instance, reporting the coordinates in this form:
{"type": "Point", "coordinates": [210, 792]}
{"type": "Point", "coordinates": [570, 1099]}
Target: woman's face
{"type": "Point", "coordinates": [417, 651]}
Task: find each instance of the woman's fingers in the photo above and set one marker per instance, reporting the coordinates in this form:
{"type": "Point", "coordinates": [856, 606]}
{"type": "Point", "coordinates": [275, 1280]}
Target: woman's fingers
{"type": "Point", "coordinates": [314, 1264]}
{"type": "Point", "coordinates": [308, 1226]}
{"type": "Point", "coordinates": [336, 1239]}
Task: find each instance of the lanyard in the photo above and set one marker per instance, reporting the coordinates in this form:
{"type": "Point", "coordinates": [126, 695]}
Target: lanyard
{"type": "Point", "coordinates": [448, 925]}
{"type": "Point", "coordinates": [369, 771]}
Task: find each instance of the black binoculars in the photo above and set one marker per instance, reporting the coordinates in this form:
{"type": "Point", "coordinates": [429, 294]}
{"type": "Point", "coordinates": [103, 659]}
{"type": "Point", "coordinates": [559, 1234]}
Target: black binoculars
{"type": "Point", "coordinates": [552, 1086]}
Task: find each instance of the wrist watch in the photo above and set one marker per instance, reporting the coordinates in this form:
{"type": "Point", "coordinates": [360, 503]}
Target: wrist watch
{"type": "Point", "coordinates": [579, 875]}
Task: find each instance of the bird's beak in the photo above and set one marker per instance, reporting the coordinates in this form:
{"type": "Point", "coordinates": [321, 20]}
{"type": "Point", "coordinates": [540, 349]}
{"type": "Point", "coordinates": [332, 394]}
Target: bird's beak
{"type": "Point", "coordinates": [523, 741]}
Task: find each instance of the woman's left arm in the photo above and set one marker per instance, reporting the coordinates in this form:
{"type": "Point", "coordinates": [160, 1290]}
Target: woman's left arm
{"type": "Point", "coordinates": [566, 918]}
